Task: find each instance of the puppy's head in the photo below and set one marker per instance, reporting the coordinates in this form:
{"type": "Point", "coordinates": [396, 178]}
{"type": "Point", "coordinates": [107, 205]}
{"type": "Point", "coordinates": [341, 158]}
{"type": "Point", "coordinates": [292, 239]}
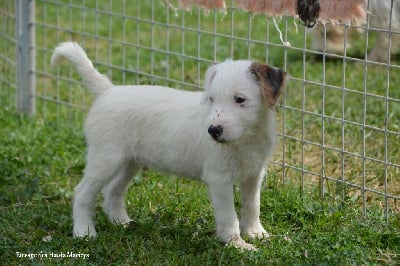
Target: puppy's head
{"type": "Point", "coordinates": [239, 95]}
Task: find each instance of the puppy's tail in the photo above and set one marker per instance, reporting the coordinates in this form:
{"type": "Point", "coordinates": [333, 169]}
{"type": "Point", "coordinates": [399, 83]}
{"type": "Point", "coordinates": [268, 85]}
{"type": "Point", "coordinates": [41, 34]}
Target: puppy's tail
{"type": "Point", "coordinates": [71, 51]}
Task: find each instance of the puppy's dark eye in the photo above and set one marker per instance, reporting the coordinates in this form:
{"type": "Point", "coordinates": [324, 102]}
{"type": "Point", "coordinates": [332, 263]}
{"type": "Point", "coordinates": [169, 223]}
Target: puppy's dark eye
{"type": "Point", "coordinates": [239, 99]}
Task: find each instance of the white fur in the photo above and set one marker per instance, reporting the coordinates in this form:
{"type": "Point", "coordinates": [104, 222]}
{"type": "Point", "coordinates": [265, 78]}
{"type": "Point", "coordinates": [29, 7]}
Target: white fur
{"type": "Point", "coordinates": [379, 19]}
{"type": "Point", "coordinates": [130, 127]}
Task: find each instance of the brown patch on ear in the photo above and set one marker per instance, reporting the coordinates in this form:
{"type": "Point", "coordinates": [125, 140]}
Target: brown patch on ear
{"type": "Point", "coordinates": [272, 81]}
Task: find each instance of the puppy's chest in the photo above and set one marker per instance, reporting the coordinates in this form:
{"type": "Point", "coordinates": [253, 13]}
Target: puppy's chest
{"type": "Point", "coordinates": [247, 164]}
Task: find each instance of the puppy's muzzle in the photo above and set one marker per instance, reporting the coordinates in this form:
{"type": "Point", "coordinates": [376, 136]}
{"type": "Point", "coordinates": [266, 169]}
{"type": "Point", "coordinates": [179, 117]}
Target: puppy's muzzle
{"type": "Point", "coordinates": [216, 132]}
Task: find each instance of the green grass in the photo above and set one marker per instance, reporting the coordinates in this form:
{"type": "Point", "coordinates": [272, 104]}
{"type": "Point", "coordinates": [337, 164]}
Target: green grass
{"type": "Point", "coordinates": [42, 160]}
{"type": "Point", "coordinates": [42, 156]}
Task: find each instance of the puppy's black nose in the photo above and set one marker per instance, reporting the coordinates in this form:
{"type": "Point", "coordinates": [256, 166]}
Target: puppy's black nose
{"type": "Point", "coordinates": [215, 131]}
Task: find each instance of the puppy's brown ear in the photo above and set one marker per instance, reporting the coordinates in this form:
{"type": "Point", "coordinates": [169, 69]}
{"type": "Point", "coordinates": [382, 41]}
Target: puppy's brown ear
{"type": "Point", "coordinates": [272, 81]}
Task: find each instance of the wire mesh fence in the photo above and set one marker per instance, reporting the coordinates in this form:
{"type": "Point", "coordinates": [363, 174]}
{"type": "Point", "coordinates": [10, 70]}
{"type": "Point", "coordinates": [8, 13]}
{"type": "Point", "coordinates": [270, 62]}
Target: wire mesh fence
{"type": "Point", "coordinates": [339, 118]}
{"type": "Point", "coordinates": [7, 54]}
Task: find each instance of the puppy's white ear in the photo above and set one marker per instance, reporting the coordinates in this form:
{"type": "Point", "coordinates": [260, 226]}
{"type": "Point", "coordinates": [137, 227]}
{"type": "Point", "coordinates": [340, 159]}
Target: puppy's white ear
{"type": "Point", "coordinates": [272, 81]}
{"type": "Point", "coordinates": [210, 75]}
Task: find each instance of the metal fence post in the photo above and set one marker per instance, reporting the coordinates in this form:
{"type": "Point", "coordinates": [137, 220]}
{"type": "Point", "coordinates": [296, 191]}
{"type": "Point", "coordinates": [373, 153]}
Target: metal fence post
{"type": "Point", "coordinates": [25, 66]}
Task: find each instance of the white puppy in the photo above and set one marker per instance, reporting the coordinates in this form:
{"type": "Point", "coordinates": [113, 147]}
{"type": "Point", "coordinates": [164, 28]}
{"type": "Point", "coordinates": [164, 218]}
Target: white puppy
{"type": "Point", "coordinates": [221, 136]}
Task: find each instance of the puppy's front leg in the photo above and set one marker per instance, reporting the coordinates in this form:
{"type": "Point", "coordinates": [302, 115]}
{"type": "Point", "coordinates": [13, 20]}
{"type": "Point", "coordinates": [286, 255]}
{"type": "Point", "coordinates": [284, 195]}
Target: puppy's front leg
{"type": "Point", "coordinates": [221, 195]}
{"type": "Point", "coordinates": [250, 209]}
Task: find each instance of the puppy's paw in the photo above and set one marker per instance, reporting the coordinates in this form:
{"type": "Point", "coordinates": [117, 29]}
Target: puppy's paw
{"type": "Point", "coordinates": [256, 232]}
{"type": "Point", "coordinates": [77, 233]}
{"type": "Point", "coordinates": [258, 235]}
{"type": "Point", "coordinates": [237, 242]}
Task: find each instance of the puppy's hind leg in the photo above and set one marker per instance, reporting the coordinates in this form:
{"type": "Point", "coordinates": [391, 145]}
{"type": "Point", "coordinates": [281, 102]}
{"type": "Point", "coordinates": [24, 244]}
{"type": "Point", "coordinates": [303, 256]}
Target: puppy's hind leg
{"type": "Point", "coordinates": [114, 200]}
{"type": "Point", "coordinates": [98, 172]}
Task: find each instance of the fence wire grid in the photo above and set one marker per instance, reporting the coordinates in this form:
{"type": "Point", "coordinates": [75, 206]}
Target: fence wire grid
{"type": "Point", "coordinates": [339, 119]}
